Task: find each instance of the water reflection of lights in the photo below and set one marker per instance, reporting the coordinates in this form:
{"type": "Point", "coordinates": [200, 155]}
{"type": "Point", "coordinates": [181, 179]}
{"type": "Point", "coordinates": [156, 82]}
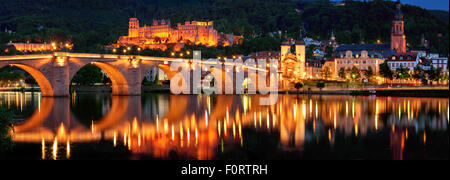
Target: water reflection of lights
{"type": "Point", "coordinates": [290, 117]}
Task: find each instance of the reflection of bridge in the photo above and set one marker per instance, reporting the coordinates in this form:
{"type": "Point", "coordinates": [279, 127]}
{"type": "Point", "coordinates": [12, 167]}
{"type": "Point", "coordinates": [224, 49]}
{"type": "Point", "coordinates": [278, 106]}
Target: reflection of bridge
{"type": "Point", "coordinates": [53, 72]}
{"type": "Point", "coordinates": [56, 124]}
{"type": "Point", "coordinates": [193, 131]}
{"type": "Point", "coordinates": [196, 131]}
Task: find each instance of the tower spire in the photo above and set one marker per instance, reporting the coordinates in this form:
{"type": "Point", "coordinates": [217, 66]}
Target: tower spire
{"type": "Point", "coordinates": [398, 12]}
{"type": "Point", "coordinates": [300, 40]}
{"type": "Point", "coordinates": [301, 36]}
{"type": "Point", "coordinates": [332, 35]}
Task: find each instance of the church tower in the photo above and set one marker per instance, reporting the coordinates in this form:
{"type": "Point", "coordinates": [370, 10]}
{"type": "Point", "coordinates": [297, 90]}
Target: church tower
{"type": "Point", "coordinates": [133, 28]}
{"type": "Point", "coordinates": [398, 38]}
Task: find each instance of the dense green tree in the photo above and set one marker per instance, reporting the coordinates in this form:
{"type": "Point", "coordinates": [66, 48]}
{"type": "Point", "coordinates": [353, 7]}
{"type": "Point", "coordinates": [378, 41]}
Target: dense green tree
{"type": "Point", "coordinates": [355, 73]}
{"type": "Point", "coordinates": [6, 117]}
{"type": "Point", "coordinates": [369, 73]}
{"type": "Point", "coordinates": [434, 74]}
{"type": "Point", "coordinates": [342, 73]}
{"type": "Point", "coordinates": [88, 75]}
{"type": "Point", "coordinates": [320, 85]}
{"type": "Point", "coordinates": [11, 74]}
{"type": "Point", "coordinates": [385, 71]}
{"type": "Point", "coordinates": [326, 72]}
{"type": "Point", "coordinates": [402, 73]}
{"type": "Point", "coordinates": [419, 75]}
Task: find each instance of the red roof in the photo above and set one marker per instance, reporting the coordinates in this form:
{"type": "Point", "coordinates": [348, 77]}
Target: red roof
{"type": "Point", "coordinates": [265, 54]}
{"type": "Point", "coordinates": [408, 56]}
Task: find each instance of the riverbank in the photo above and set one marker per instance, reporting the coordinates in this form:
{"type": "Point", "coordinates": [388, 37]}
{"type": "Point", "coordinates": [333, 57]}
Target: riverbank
{"type": "Point", "coordinates": [108, 89]}
{"type": "Point", "coordinates": [20, 89]}
{"type": "Point", "coordinates": [398, 92]}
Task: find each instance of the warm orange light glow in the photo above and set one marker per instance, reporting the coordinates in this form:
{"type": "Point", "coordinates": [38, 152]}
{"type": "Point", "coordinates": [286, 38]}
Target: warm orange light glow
{"type": "Point", "coordinates": [43, 148]}
{"type": "Point", "coordinates": [55, 149]}
{"type": "Point", "coordinates": [68, 149]}
{"type": "Point", "coordinates": [210, 128]}
{"type": "Point", "coordinates": [134, 63]}
{"type": "Point", "coordinates": [60, 61]}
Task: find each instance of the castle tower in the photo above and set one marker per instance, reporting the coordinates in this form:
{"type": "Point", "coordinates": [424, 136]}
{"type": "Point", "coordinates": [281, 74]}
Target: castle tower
{"type": "Point", "coordinates": [133, 28]}
{"type": "Point", "coordinates": [398, 38]}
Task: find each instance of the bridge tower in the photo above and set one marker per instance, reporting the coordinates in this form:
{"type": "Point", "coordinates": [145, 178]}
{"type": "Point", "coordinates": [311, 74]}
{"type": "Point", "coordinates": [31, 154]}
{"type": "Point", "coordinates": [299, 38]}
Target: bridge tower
{"type": "Point", "coordinates": [300, 53]}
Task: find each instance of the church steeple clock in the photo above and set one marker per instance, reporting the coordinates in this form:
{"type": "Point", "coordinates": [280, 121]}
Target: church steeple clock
{"type": "Point", "coordinates": [398, 38]}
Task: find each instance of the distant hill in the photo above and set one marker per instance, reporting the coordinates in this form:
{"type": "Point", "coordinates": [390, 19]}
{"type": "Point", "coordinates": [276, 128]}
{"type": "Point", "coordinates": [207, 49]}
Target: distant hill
{"type": "Point", "coordinates": [89, 23]}
{"type": "Point", "coordinates": [442, 15]}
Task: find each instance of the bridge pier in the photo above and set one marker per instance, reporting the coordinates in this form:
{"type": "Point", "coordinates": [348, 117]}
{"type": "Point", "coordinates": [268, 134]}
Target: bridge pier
{"type": "Point", "coordinates": [134, 78]}
{"type": "Point", "coordinates": [60, 77]}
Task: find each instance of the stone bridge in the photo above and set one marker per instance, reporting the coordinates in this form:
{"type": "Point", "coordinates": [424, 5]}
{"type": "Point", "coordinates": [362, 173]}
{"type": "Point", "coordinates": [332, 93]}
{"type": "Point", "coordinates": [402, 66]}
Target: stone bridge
{"type": "Point", "coordinates": [54, 72]}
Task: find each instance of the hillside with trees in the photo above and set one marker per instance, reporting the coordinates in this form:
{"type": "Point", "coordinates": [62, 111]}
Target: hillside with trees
{"type": "Point", "coordinates": [90, 24]}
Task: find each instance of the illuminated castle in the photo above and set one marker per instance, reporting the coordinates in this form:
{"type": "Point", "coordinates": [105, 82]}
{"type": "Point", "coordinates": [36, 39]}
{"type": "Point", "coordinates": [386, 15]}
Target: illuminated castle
{"type": "Point", "coordinates": [161, 35]}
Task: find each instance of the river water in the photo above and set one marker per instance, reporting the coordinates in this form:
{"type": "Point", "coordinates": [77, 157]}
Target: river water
{"type": "Point", "coordinates": [164, 126]}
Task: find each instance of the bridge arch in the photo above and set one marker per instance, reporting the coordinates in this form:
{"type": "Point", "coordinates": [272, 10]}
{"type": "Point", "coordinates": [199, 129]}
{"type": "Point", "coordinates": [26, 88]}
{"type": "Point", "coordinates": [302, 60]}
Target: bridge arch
{"type": "Point", "coordinates": [170, 74]}
{"type": "Point", "coordinates": [43, 82]}
{"type": "Point", "coordinates": [119, 83]}
{"type": "Point", "coordinates": [165, 67]}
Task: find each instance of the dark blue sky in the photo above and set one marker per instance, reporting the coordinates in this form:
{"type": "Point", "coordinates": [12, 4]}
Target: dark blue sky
{"type": "Point", "coordinates": [428, 4]}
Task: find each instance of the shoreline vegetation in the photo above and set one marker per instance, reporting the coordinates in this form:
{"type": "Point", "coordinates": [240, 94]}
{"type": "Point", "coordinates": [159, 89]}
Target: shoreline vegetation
{"type": "Point", "coordinates": [6, 124]}
{"type": "Point", "coordinates": [395, 92]}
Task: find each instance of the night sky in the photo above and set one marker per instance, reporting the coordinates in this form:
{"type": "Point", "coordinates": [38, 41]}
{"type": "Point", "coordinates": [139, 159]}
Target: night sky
{"type": "Point", "coordinates": [428, 4]}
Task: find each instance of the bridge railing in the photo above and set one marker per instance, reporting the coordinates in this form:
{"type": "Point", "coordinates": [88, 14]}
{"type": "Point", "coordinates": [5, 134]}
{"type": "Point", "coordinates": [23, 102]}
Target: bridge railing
{"type": "Point", "coordinates": [129, 57]}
